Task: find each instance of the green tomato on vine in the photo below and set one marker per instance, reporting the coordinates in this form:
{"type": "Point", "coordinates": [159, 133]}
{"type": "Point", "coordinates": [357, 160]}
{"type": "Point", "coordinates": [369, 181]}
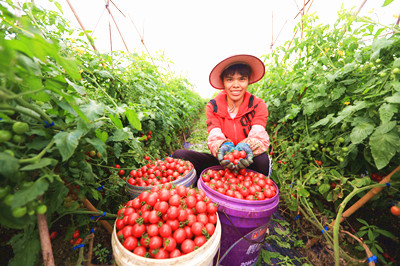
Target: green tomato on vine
{"type": "Point", "coordinates": [20, 127]}
{"type": "Point", "coordinates": [5, 136]}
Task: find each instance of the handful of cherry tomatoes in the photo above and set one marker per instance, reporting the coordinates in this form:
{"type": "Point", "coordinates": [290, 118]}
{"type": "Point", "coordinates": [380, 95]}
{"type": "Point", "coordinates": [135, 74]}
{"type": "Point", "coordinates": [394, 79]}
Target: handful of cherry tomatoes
{"type": "Point", "coordinates": [166, 222]}
{"type": "Point", "coordinates": [234, 156]}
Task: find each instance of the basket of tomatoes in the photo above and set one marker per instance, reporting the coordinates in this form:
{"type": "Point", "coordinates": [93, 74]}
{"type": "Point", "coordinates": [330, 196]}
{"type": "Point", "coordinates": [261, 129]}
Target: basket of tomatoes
{"type": "Point", "coordinates": [168, 225]}
{"type": "Point", "coordinates": [159, 172]}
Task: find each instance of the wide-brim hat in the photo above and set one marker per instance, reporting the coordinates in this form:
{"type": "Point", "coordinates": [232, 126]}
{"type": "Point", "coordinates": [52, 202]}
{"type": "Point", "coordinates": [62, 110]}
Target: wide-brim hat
{"type": "Point", "coordinates": [256, 65]}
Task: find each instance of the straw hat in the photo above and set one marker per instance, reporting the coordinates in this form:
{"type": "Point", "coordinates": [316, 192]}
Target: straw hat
{"type": "Point", "coordinates": [256, 65]}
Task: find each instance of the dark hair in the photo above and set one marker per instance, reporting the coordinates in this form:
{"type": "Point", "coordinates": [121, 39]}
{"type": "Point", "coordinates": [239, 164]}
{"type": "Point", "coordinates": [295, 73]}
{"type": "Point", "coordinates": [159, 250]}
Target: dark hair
{"type": "Point", "coordinates": [242, 69]}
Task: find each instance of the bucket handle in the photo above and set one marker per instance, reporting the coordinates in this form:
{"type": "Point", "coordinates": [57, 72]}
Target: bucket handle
{"type": "Point", "coordinates": [219, 252]}
{"type": "Point", "coordinates": [237, 231]}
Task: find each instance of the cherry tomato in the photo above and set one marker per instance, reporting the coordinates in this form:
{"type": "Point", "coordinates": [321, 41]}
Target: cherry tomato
{"type": "Point", "coordinates": [200, 240]}
{"type": "Point", "coordinates": [169, 243]}
{"type": "Point", "coordinates": [140, 251]}
{"type": "Point", "coordinates": [53, 235]}
{"type": "Point", "coordinates": [187, 246]}
{"type": "Point", "coordinates": [197, 228]}
{"type": "Point", "coordinates": [76, 234]}
{"type": "Point", "coordinates": [179, 235]}
{"type": "Point", "coordinates": [155, 242]}
{"type": "Point", "coordinates": [395, 210]}
{"type": "Point", "coordinates": [210, 228]}
{"type": "Point", "coordinates": [165, 231]}
{"type": "Point", "coordinates": [201, 206]}
{"type": "Point", "coordinates": [130, 243]}
{"type": "Point", "coordinates": [175, 253]}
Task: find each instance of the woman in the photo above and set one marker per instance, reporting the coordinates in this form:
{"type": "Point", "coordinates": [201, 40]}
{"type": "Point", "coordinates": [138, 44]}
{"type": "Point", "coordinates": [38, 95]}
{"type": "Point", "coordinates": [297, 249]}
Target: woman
{"type": "Point", "coordinates": [236, 120]}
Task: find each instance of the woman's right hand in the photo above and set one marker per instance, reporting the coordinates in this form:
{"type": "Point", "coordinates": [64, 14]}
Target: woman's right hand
{"type": "Point", "coordinates": [225, 148]}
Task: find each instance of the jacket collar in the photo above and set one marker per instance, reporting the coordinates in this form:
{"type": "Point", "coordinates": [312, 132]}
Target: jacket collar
{"type": "Point", "coordinates": [223, 105]}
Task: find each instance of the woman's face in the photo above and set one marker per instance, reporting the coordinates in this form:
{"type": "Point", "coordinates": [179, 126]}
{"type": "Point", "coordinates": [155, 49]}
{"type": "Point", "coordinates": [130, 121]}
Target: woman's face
{"type": "Point", "coordinates": [236, 86]}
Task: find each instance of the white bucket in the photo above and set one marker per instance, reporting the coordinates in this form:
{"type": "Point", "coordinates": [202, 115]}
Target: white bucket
{"type": "Point", "coordinates": [202, 256]}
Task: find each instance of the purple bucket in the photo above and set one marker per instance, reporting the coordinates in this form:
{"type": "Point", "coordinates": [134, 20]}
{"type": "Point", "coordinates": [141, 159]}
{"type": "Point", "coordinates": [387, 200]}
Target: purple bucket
{"type": "Point", "coordinates": [244, 224]}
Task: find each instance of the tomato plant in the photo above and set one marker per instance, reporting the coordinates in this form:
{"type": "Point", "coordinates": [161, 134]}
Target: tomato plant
{"type": "Point", "coordinates": [340, 118]}
{"type": "Point", "coordinates": [68, 115]}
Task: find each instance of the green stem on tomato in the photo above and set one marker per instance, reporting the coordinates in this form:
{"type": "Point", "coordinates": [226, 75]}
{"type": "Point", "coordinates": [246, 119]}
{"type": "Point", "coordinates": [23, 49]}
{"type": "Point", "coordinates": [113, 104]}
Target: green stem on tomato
{"type": "Point", "coordinates": [104, 91]}
{"type": "Point", "coordinates": [22, 110]}
{"type": "Point", "coordinates": [325, 235]}
{"type": "Point", "coordinates": [339, 215]}
{"type": "Point", "coordinates": [328, 57]}
{"type": "Point", "coordinates": [36, 109]}
{"type": "Point", "coordinates": [39, 156]}
{"type": "Point", "coordinates": [15, 96]}
{"type": "Point", "coordinates": [98, 213]}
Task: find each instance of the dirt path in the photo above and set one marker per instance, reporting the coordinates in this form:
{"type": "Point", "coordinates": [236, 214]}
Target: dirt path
{"type": "Point", "coordinates": [198, 134]}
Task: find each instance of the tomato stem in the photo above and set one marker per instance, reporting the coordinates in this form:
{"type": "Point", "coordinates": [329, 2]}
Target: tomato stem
{"type": "Point", "coordinates": [39, 156]}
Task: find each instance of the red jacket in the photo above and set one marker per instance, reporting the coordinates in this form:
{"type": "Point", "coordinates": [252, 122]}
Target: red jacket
{"type": "Point", "coordinates": [253, 111]}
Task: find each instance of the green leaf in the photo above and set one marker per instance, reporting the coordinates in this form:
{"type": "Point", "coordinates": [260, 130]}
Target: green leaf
{"type": "Point", "coordinates": [281, 232]}
{"type": "Point", "coordinates": [348, 111]}
{"type": "Point", "coordinates": [324, 188]}
{"type": "Point", "coordinates": [387, 2]}
{"type": "Point", "coordinates": [42, 163]}
{"type": "Point", "coordinates": [133, 119]}
{"type": "Point", "coordinates": [386, 112]}
{"type": "Point", "coordinates": [338, 92]}
{"type": "Point", "coordinates": [26, 248]}
{"type": "Point", "coordinates": [119, 135]}
{"type": "Point", "coordinates": [104, 74]}
{"type": "Point", "coordinates": [99, 145]}
{"type": "Point", "coordinates": [8, 165]}
{"type": "Point", "coordinates": [362, 221]}
{"type": "Point", "coordinates": [384, 147]}
{"type": "Point", "coordinates": [70, 66]}
{"type": "Point", "coordinates": [67, 142]}
{"type": "Point", "coordinates": [27, 194]}
{"type": "Point", "coordinates": [117, 122]}
{"type": "Point", "coordinates": [395, 98]}
{"type": "Point", "coordinates": [360, 132]}
{"type": "Point", "coordinates": [371, 235]}
{"type": "Point", "coordinates": [102, 135]}
{"type": "Point", "coordinates": [78, 89]}
{"type": "Point", "coordinates": [379, 248]}
{"type": "Point", "coordinates": [335, 173]}
{"type": "Point", "coordinates": [268, 255]}
{"type": "Point", "coordinates": [323, 122]}
{"type": "Point", "coordinates": [385, 233]}
{"type": "Point", "coordinates": [303, 192]}
{"type": "Point", "coordinates": [93, 110]}
{"type": "Point", "coordinates": [396, 63]}
{"type": "Point", "coordinates": [117, 149]}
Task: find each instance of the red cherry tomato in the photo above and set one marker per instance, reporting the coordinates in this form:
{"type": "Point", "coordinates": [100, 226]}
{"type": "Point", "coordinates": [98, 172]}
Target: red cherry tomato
{"type": "Point", "coordinates": [395, 210]}
{"type": "Point", "coordinates": [53, 235]}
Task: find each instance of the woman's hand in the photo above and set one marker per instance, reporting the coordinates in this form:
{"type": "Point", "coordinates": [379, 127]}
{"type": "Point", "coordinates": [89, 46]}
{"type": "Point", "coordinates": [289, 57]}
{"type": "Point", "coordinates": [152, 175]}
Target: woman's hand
{"type": "Point", "coordinates": [225, 148]}
{"type": "Point", "coordinates": [246, 162]}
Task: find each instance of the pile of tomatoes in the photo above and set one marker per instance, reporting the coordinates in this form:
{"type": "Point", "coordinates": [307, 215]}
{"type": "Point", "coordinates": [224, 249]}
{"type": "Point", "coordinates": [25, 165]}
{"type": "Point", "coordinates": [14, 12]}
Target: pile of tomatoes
{"type": "Point", "coordinates": [160, 172]}
{"type": "Point", "coordinates": [246, 185]}
{"type": "Point", "coordinates": [235, 156]}
{"type": "Point", "coordinates": [166, 222]}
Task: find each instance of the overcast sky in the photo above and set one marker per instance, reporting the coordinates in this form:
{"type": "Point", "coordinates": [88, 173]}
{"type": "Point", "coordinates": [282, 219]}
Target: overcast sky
{"type": "Point", "coordinates": [195, 35]}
